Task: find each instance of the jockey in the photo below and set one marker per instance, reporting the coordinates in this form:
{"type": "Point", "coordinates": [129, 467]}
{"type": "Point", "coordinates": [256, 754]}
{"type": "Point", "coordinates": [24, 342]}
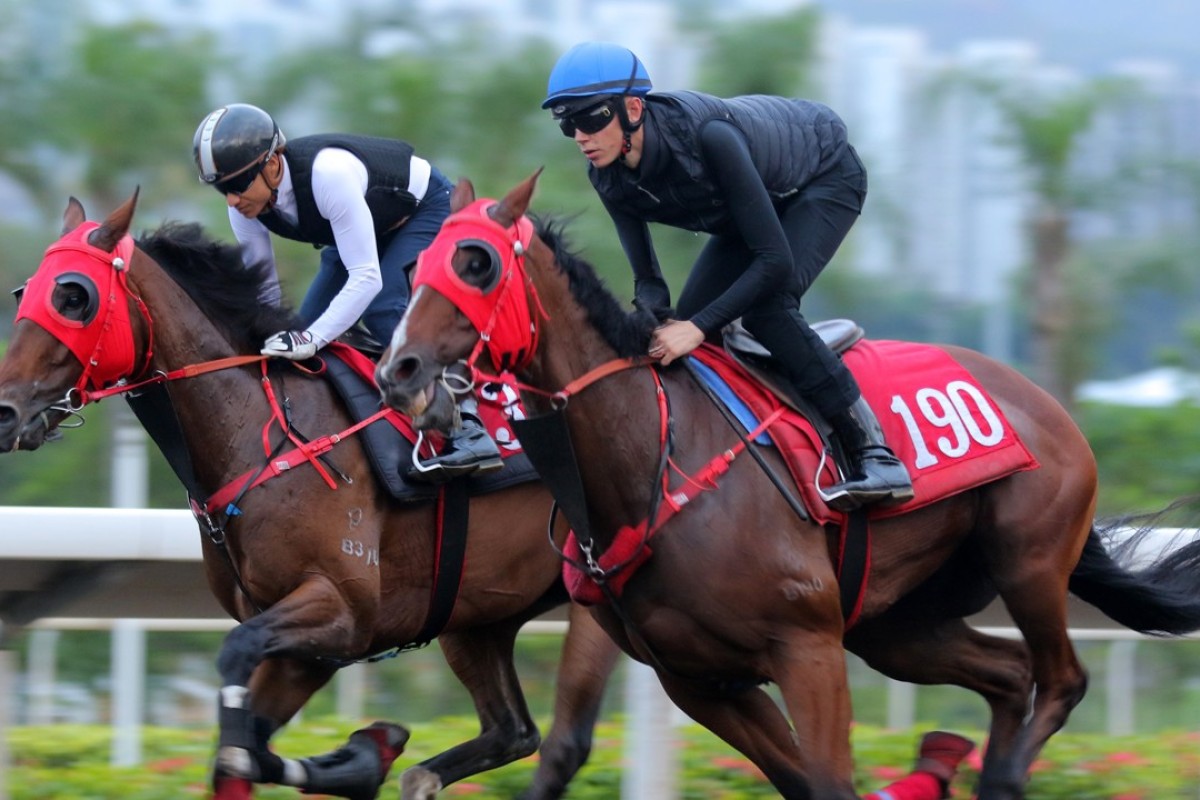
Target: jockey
{"type": "Point", "coordinates": [371, 205]}
{"type": "Point", "coordinates": [776, 184]}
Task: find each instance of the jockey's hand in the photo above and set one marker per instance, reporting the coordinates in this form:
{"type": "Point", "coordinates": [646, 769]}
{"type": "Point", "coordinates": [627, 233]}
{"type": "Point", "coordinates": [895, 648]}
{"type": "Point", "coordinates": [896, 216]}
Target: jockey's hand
{"type": "Point", "coordinates": [675, 340]}
{"type": "Point", "coordinates": [296, 345]}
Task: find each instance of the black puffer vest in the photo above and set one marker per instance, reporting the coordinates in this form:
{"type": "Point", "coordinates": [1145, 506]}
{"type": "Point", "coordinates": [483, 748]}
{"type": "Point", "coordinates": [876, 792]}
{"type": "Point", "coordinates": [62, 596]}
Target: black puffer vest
{"type": "Point", "coordinates": [791, 142]}
{"type": "Point", "coordinates": [387, 162]}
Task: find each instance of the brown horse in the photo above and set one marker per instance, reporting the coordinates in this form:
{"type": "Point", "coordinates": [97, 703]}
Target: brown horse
{"type": "Point", "coordinates": [319, 577]}
{"type": "Point", "coordinates": [738, 589]}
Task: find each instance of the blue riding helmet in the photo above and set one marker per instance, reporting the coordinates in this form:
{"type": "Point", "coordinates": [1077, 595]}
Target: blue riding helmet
{"type": "Point", "coordinates": [592, 69]}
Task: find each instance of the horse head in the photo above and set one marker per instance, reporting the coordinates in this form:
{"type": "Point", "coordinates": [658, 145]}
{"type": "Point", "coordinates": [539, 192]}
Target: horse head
{"type": "Point", "coordinates": [78, 328]}
{"type": "Point", "coordinates": [470, 299]}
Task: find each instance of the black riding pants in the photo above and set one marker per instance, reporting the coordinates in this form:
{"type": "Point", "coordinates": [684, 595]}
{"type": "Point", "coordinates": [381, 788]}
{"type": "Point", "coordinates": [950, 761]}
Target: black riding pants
{"type": "Point", "coordinates": [815, 220]}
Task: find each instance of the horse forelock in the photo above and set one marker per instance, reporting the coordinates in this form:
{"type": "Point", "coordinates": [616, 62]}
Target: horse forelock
{"type": "Point", "coordinates": [213, 275]}
{"type": "Point", "coordinates": [627, 332]}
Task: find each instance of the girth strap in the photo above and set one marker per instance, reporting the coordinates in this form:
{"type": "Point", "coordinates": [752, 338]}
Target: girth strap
{"type": "Point", "coordinates": [450, 555]}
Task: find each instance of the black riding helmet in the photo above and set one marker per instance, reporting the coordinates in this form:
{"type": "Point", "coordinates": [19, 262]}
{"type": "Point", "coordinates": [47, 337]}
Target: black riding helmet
{"type": "Point", "coordinates": [234, 142]}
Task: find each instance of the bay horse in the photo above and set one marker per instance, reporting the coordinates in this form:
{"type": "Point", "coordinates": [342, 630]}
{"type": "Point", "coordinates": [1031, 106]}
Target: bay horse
{"type": "Point", "coordinates": [736, 589]}
{"type": "Point", "coordinates": [318, 574]}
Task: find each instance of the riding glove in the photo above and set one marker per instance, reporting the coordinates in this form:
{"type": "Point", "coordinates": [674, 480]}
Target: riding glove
{"type": "Point", "coordinates": [296, 345]}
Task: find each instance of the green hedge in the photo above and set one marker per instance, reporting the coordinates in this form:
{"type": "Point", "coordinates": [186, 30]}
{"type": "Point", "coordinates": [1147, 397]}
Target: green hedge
{"type": "Point", "coordinates": [69, 762]}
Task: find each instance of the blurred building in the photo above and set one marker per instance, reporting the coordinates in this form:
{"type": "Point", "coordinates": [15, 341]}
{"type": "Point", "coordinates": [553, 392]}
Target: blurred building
{"type": "Point", "coordinates": [949, 195]}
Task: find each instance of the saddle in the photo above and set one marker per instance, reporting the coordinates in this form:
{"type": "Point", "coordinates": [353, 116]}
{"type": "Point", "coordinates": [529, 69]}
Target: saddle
{"type": "Point", "coordinates": [838, 334]}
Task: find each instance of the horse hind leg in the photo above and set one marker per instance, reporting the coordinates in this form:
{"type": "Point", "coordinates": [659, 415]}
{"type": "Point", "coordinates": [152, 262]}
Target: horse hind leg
{"type": "Point", "coordinates": [482, 659]}
{"type": "Point", "coordinates": [588, 659]}
{"type": "Point", "coordinates": [910, 648]}
{"type": "Point", "coordinates": [1059, 679]}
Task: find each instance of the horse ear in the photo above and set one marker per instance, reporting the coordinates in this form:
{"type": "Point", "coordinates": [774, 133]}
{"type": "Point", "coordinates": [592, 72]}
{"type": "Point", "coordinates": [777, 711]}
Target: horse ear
{"type": "Point", "coordinates": [516, 202]}
{"type": "Point", "coordinates": [116, 226]}
{"type": "Point", "coordinates": [74, 216]}
{"type": "Point", "coordinates": [462, 196]}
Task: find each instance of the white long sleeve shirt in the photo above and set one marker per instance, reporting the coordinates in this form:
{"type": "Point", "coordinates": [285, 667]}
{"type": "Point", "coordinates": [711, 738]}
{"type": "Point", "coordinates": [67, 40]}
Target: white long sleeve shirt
{"type": "Point", "coordinates": [339, 184]}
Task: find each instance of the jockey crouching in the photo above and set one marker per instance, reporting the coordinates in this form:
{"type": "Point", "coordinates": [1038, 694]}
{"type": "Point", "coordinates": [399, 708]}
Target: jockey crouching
{"type": "Point", "coordinates": [370, 205]}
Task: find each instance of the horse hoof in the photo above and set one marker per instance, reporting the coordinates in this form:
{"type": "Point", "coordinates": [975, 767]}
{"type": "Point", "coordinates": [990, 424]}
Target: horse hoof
{"type": "Point", "coordinates": [358, 768]}
{"type": "Point", "coordinates": [418, 783]}
{"type": "Point", "coordinates": [389, 739]}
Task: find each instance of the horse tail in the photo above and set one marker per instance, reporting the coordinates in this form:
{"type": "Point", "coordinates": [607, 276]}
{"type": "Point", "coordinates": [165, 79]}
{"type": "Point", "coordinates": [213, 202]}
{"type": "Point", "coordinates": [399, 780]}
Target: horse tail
{"type": "Point", "coordinates": [1161, 597]}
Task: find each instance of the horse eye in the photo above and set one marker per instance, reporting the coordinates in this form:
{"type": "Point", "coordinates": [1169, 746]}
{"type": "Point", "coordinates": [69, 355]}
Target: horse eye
{"type": "Point", "coordinates": [478, 265]}
{"type": "Point", "coordinates": [75, 301]}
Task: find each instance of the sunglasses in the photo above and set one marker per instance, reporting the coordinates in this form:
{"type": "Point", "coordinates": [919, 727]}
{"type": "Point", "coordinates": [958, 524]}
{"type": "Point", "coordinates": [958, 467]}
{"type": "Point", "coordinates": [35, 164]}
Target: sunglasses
{"type": "Point", "coordinates": [239, 183]}
{"type": "Point", "coordinates": [590, 120]}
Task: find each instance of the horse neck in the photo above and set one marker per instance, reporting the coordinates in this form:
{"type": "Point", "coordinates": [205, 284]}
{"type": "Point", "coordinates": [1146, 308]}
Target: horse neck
{"type": "Point", "coordinates": [210, 407]}
{"type": "Point", "coordinates": [614, 422]}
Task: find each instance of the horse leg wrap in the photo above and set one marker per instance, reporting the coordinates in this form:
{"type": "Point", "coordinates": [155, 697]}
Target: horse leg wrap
{"type": "Point", "coordinates": [229, 788]}
{"type": "Point", "coordinates": [242, 752]}
{"type": "Point", "coordinates": [358, 768]}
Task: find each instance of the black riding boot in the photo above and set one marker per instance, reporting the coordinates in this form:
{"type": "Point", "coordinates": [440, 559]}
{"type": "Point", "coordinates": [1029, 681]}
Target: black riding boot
{"type": "Point", "coordinates": [468, 449]}
{"type": "Point", "coordinates": [873, 474]}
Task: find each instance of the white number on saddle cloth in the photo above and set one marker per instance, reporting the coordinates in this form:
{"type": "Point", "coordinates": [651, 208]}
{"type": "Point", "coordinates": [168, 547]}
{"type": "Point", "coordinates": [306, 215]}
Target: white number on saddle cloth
{"type": "Point", "coordinates": [959, 409]}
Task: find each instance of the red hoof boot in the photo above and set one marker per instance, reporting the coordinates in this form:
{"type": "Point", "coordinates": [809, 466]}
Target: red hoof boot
{"type": "Point", "coordinates": [229, 788]}
{"type": "Point", "coordinates": [940, 754]}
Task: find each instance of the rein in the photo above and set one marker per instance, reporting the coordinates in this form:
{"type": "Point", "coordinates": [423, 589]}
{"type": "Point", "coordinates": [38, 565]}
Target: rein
{"type": "Point", "coordinates": [190, 371]}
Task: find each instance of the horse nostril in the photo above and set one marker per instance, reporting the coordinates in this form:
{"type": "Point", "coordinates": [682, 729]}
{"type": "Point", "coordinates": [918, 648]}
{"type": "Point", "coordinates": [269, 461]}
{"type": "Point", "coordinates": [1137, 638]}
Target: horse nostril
{"type": "Point", "coordinates": [405, 368]}
{"type": "Point", "coordinates": [8, 415]}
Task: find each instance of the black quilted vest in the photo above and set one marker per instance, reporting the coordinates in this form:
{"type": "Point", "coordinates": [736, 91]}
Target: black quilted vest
{"type": "Point", "coordinates": [791, 142]}
{"type": "Point", "coordinates": [387, 162]}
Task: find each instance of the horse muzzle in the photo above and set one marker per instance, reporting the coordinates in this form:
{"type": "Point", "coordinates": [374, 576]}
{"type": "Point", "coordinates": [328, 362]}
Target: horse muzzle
{"type": "Point", "coordinates": [17, 433]}
{"type": "Point", "coordinates": [405, 385]}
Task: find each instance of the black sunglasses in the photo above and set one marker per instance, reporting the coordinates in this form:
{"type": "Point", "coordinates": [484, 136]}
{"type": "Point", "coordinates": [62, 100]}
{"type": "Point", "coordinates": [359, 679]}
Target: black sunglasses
{"type": "Point", "coordinates": [240, 182]}
{"type": "Point", "coordinates": [590, 120]}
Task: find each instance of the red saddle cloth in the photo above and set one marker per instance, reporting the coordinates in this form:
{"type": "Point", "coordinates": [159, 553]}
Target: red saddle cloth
{"type": "Point", "coordinates": [936, 417]}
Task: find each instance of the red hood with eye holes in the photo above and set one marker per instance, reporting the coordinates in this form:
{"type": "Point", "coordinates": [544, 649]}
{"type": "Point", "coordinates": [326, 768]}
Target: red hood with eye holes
{"type": "Point", "coordinates": [503, 315]}
{"type": "Point", "coordinates": [103, 345]}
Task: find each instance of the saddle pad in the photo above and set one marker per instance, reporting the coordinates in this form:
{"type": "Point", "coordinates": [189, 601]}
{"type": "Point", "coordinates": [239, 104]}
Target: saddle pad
{"type": "Point", "coordinates": [936, 417]}
{"type": "Point", "coordinates": [389, 442]}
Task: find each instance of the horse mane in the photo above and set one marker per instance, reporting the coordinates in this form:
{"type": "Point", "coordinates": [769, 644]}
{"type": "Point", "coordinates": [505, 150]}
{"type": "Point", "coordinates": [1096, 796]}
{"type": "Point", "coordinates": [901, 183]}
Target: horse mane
{"type": "Point", "coordinates": [627, 332]}
{"type": "Point", "coordinates": [224, 288]}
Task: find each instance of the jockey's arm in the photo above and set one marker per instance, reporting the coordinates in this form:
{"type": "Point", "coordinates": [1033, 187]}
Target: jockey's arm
{"type": "Point", "coordinates": [339, 181]}
{"type": "Point", "coordinates": [727, 155]}
{"type": "Point", "coordinates": [255, 241]}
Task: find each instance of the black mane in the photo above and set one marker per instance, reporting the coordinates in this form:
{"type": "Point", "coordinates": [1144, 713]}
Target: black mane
{"type": "Point", "coordinates": [213, 275]}
{"type": "Point", "coordinates": [627, 332]}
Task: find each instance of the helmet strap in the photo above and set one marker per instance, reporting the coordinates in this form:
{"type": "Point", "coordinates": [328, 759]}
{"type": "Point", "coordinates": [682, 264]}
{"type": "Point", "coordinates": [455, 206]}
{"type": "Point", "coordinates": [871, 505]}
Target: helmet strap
{"type": "Point", "coordinates": [274, 189]}
{"type": "Point", "coordinates": [627, 127]}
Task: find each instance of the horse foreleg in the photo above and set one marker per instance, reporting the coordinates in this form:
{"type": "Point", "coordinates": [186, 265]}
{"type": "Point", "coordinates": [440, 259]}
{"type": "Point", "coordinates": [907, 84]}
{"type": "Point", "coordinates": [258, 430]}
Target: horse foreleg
{"type": "Point", "coordinates": [588, 659]}
{"type": "Point", "coordinates": [482, 659]}
{"type": "Point", "coordinates": [312, 623]}
{"type": "Point", "coordinates": [749, 720]}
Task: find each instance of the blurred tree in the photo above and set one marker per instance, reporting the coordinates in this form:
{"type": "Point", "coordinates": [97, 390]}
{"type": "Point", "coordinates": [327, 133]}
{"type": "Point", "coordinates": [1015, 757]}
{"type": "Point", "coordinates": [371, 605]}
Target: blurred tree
{"type": "Point", "coordinates": [127, 108]}
{"type": "Point", "coordinates": [762, 55]}
{"type": "Point", "coordinates": [1045, 128]}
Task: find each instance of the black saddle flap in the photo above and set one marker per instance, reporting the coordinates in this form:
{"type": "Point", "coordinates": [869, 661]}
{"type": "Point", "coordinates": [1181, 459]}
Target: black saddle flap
{"type": "Point", "coordinates": [390, 452]}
